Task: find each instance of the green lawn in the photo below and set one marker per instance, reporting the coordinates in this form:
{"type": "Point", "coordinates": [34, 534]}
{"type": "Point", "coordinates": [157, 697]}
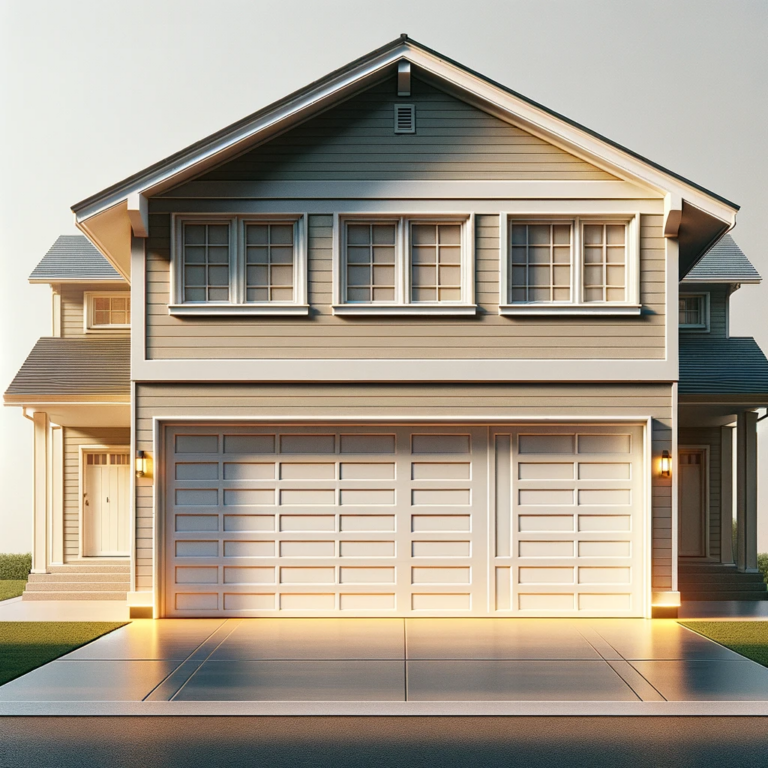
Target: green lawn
{"type": "Point", "coordinates": [25, 645]}
{"type": "Point", "coordinates": [749, 638]}
{"type": "Point", "coordinates": [9, 589]}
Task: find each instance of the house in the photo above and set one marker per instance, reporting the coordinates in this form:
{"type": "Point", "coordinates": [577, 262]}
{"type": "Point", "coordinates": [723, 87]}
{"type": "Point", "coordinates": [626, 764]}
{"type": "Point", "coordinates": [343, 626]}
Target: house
{"type": "Point", "coordinates": [404, 343]}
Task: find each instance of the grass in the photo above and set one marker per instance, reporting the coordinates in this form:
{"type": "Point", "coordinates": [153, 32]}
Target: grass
{"type": "Point", "coordinates": [26, 645]}
{"type": "Point", "coordinates": [749, 638]}
{"type": "Point", "coordinates": [9, 589]}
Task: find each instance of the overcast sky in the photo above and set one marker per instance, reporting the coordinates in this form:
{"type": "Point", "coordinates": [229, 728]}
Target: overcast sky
{"type": "Point", "coordinates": [95, 90]}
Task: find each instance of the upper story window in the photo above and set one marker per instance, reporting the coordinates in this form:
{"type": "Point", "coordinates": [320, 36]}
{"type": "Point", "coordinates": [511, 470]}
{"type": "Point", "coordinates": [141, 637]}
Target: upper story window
{"type": "Point", "coordinates": [694, 311]}
{"type": "Point", "coordinates": [405, 266]}
{"type": "Point", "coordinates": [239, 265]}
{"type": "Point", "coordinates": [579, 265]}
{"type": "Point", "coordinates": [107, 311]}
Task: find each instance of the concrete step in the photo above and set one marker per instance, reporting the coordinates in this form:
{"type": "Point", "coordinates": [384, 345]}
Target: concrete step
{"type": "Point", "coordinates": [55, 578]}
{"type": "Point", "coordinates": [700, 595]}
{"type": "Point", "coordinates": [721, 578]}
{"type": "Point", "coordinates": [74, 586]}
{"type": "Point", "coordinates": [724, 587]}
{"type": "Point", "coordinates": [91, 568]}
{"type": "Point", "coordinates": [74, 595]}
{"type": "Point", "coordinates": [704, 567]}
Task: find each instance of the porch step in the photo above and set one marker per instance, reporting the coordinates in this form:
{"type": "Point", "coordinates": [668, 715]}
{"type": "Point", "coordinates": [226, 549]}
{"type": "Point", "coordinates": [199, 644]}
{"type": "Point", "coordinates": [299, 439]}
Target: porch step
{"type": "Point", "coordinates": [91, 568]}
{"type": "Point", "coordinates": [74, 586]}
{"type": "Point", "coordinates": [56, 578]}
{"type": "Point", "coordinates": [74, 595]}
{"type": "Point", "coordinates": [704, 581]}
{"type": "Point", "coordinates": [699, 596]}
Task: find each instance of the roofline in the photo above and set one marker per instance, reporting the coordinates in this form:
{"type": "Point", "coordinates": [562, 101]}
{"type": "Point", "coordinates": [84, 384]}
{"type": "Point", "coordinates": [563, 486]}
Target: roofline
{"type": "Point", "coordinates": [57, 280]}
{"type": "Point", "coordinates": [184, 159]}
{"type": "Point", "coordinates": [730, 280]}
{"type": "Point", "coordinates": [30, 400]}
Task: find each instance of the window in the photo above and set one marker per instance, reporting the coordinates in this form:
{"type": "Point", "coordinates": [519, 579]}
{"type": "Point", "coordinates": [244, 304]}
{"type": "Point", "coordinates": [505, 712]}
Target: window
{"type": "Point", "coordinates": [404, 266]}
{"type": "Point", "coordinates": [583, 265]}
{"type": "Point", "coordinates": [239, 265]}
{"type": "Point", "coordinates": [107, 311]}
{"type": "Point", "coordinates": [694, 311]}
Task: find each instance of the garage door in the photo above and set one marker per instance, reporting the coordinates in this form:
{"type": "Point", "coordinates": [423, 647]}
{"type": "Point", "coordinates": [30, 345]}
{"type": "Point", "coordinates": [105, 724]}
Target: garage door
{"type": "Point", "coordinates": [399, 521]}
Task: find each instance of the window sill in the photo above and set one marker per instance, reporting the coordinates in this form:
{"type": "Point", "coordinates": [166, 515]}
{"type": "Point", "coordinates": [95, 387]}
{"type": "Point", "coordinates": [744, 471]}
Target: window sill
{"type": "Point", "coordinates": [570, 309]}
{"type": "Point", "coordinates": [114, 329]}
{"type": "Point", "coordinates": [400, 310]}
{"type": "Point", "coordinates": [238, 310]}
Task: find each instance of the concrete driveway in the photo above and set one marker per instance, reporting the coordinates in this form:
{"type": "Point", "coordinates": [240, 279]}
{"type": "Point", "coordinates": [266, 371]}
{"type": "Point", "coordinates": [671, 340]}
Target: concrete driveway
{"type": "Point", "coordinates": [379, 661]}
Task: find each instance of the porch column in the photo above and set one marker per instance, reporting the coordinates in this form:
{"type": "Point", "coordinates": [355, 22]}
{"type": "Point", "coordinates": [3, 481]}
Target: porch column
{"type": "Point", "coordinates": [746, 491]}
{"type": "Point", "coordinates": [57, 496]}
{"type": "Point", "coordinates": [726, 495]}
{"type": "Point", "coordinates": [40, 497]}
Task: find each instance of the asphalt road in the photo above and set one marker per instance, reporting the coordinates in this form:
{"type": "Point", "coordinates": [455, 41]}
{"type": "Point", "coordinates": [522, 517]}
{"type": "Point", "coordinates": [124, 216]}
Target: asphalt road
{"type": "Point", "coordinates": [399, 742]}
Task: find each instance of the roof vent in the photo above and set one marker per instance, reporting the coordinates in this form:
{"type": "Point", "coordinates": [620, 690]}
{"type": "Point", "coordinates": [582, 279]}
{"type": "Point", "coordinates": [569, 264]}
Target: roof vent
{"type": "Point", "coordinates": [405, 118]}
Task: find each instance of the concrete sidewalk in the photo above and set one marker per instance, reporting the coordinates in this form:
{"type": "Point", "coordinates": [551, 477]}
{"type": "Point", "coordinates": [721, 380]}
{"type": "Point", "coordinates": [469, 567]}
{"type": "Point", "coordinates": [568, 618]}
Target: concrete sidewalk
{"type": "Point", "coordinates": [387, 666]}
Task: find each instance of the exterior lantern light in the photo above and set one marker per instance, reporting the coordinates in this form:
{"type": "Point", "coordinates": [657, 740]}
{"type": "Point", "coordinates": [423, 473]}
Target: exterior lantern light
{"type": "Point", "coordinates": [141, 464]}
{"type": "Point", "coordinates": [666, 464]}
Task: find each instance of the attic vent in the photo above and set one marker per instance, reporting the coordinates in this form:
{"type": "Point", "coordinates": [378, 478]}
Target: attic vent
{"type": "Point", "coordinates": [405, 118]}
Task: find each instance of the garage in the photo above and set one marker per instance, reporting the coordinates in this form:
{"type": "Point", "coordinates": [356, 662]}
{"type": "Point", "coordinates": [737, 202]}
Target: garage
{"type": "Point", "coordinates": [405, 520]}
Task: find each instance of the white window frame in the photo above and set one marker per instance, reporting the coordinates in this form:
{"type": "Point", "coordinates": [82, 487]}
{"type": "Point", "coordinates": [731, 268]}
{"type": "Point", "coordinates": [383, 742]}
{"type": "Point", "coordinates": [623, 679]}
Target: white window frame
{"type": "Point", "coordinates": [402, 304]}
{"type": "Point", "coordinates": [576, 306]}
{"type": "Point", "coordinates": [88, 325]}
{"type": "Point", "coordinates": [237, 305]}
{"type": "Point", "coordinates": [702, 327]}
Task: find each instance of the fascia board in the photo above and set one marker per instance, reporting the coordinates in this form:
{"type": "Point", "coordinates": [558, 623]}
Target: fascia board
{"type": "Point", "coordinates": [76, 281]}
{"type": "Point", "coordinates": [723, 280]}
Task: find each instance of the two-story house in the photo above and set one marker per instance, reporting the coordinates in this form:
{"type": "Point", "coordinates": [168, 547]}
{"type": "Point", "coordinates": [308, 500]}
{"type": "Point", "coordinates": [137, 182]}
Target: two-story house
{"type": "Point", "coordinates": [404, 343]}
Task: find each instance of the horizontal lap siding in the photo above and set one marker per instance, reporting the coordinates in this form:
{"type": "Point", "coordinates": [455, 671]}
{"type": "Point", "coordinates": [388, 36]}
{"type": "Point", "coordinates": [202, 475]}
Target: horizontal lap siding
{"type": "Point", "coordinates": [73, 439]}
{"type": "Point", "coordinates": [73, 306]}
{"type": "Point", "coordinates": [325, 336]}
{"type": "Point", "coordinates": [718, 309]}
{"type": "Point", "coordinates": [382, 402]}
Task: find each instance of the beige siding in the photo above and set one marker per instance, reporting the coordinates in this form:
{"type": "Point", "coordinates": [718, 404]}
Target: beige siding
{"type": "Point", "coordinates": [73, 306]}
{"type": "Point", "coordinates": [74, 438]}
{"type": "Point", "coordinates": [488, 335]}
{"type": "Point", "coordinates": [708, 437]}
{"type": "Point", "coordinates": [487, 402]}
{"type": "Point", "coordinates": [356, 141]}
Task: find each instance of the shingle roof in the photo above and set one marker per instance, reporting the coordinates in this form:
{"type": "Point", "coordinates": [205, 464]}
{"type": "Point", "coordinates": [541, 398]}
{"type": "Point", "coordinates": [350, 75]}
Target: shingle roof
{"type": "Point", "coordinates": [89, 366]}
{"type": "Point", "coordinates": [724, 261]}
{"type": "Point", "coordinates": [723, 366]}
{"type": "Point", "coordinates": [72, 257]}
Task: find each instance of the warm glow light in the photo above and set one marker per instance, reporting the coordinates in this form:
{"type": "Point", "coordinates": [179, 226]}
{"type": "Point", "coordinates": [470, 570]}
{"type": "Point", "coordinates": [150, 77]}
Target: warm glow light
{"type": "Point", "coordinates": [141, 464]}
{"type": "Point", "coordinates": [666, 464]}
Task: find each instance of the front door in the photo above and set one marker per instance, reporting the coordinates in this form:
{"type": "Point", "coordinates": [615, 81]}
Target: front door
{"type": "Point", "coordinates": [691, 519]}
{"type": "Point", "coordinates": [106, 523]}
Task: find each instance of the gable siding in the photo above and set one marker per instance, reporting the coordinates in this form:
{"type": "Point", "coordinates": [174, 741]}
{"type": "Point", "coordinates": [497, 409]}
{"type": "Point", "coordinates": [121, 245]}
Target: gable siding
{"type": "Point", "coordinates": [325, 336]}
{"type": "Point", "coordinates": [453, 140]}
{"type": "Point", "coordinates": [73, 306]}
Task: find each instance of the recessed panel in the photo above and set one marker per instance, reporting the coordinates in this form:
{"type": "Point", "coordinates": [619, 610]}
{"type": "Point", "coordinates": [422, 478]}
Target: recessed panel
{"type": "Point", "coordinates": [589, 575]}
{"type": "Point", "coordinates": [545, 548]}
{"type": "Point", "coordinates": [352, 575]}
{"type": "Point", "coordinates": [441, 602]}
{"type": "Point", "coordinates": [197, 549]}
{"type": "Point", "coordinates": [199, 601]}
{"type": "Point", "coordinates": [545, 602]}
{"type": "Point", "coordinates": [307, 548]}
{"type": "Point", "coordinates": [604, 443]}
{"type": "Point", "coordinates": [616, 497]}
{"type": "Point", "coordinates": [554, 575]}
{"type": "Point", "coordinates": [197, 497]}
{"type": "Point", "coordinates": [367, 548]}
{"type": "Point", "coordinates": [436, 497]}
{"type": "Point", "coordinates": [311, 602]}
{"type": "Point", "coordinates": [189, 523]}
{"type": "Point", "coordinates": [545, 444]}
{"type": "Point", "coordinates": [544, 523]}
{"type": "Point", "coordinates": [351, 470]}
{"type": "Point", "coordinates": [439, 575]}
{"type": "Point", "coordinates": [197, 444]}
{"type": "Point", "coordinates": [307, 523]}
{"type": "Point", "coordinates": [604, 549]}
{"type": "Point", "coordinates": [440, 549]}
{"type": "Point", "coordinates": [605, 602]}
{"type": "Point", "coordinates": [240, 470]}
{"type": "Point", "coordinates": [307, 471]}
{"type": "Point", "coordinates": [249, 497]}
{"type": "Point", "coordinates": [455, 470]}
{"type": "Point", "coordinates": [249, 549]}
{"type": "Point", "coordinates": [604, 471]}
{"type": "Point", "coordinates": [604, 522]}
{"type": "Point", "coordinates": [197, 471]}
{"type": "Point", "coordinates": [445, 523]}
{"type": "Point", "coordinates": [249, 443]}
{"type": "Point", "coordinates": [362, 602]}
{"type": "Point", "coordinates": [249, 522]}
{"type": "Point", "coordinates": [237, 601]}
{"type": "Point", "coordinates": [367, 497]}
{"type": "Point", "coordinates": [541, 471]}
{"type": "Point", "coordinates": [367, 443]}
{"type": "Point", "coordinates": [307, 444]}
{"type": "Point", "coordinates": [249, 575]}
{"type": "Point", "coordinates": [440, 444]}
{"type": "Point", "coordinates": [192, 575]}
{"type": "Point", "coordinates": [367, 523]}
{"type": "Point", "coordinates": [308, 575]}
{"type": "Point", "coordinates": [314, 497]}
{"type": "Point", "coordinates": [546, 497]}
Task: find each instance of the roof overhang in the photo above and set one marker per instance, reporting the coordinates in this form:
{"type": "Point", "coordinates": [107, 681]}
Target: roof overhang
{"type": "Point", "coordinates": [79, 413]}
{"type": "Point", "coordinates": [699, 217]}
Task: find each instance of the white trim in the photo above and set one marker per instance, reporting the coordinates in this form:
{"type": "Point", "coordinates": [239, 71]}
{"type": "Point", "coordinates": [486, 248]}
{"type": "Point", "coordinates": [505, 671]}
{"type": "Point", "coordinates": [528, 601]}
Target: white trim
{"type": "Point", "coordinates": [703, 449]}
{"type": "Point", "coordinates": [138, 294]}
{"type": "Point", "coordinates": [699, 327]}
{"type": "Point", "coordinates": [132, 495]}
{"type": "Point", "coordinates": [566, 309]}
{"type": "Point", "coordinates": [649, 468]}
{"type": "Point", "coordinates": [671, 288]}
{"type": "Point", "coordinates": [675, 481]}
{"type": "Point", "coordinates": [88, 297]}
{"type": "Point", "coordinates": [409, 309]}
{"type": "Point", "coordinates": [211, 308]}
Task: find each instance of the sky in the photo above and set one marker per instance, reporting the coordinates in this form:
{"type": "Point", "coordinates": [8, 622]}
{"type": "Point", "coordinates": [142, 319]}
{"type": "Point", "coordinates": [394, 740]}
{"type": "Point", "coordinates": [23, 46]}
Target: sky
{"type": "Point", "coordinates": [93, 90]}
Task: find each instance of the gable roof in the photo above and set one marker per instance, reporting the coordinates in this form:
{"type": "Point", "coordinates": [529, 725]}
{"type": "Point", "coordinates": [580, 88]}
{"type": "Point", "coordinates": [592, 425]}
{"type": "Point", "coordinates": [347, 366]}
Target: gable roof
{"type": "Point", "coordinates": [74, 258]}
{"type": "Point", "coordinates": [724, 263]}
{"type": "Point", "coordinates": [735, 366]}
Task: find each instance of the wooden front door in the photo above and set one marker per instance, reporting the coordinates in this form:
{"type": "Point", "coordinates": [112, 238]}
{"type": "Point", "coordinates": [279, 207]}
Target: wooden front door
{"type": "Point", "coordinates": [106, 519]}
{"type": "Point", "coordinates": [692, 525]}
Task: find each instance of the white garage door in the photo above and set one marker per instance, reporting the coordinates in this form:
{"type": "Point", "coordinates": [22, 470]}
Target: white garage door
{"type": "Point", "coordinates": [397, 521]}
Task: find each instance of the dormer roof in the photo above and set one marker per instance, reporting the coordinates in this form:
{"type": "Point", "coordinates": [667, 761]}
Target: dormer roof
{"type": "Point", "coordinates": [72, 258]}
{"type": "Point", "coordinates": [725, 262]}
